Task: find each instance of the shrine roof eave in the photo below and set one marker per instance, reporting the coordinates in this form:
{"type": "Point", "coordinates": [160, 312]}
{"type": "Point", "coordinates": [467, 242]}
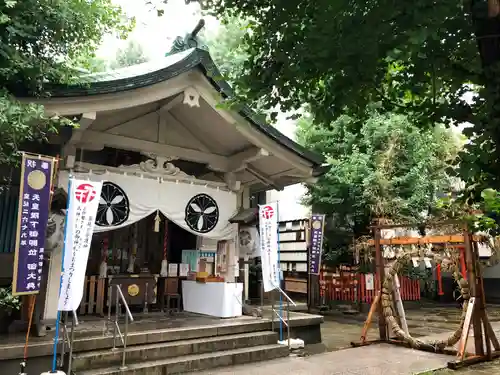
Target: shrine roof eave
{"type": "Point", "coordinates": [148, 74]}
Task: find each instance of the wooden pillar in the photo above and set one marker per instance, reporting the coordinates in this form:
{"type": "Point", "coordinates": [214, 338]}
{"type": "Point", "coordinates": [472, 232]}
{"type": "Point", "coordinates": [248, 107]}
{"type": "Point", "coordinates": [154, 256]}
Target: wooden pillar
{"type": "Point", "coordinates": [489, 336]}
{"type": "Point", "coordinates": [379, 261]}
{"type": "Point", "coordinates": [471, 260]}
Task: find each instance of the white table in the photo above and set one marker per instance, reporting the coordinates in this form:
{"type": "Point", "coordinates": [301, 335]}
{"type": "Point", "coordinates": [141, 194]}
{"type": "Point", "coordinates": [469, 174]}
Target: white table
{"type": "Point", "coordinates": [218, 299]}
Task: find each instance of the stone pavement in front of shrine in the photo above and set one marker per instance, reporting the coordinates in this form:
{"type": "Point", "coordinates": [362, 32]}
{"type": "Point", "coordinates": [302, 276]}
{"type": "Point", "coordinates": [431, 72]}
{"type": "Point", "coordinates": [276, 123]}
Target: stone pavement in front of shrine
{"type": "Point", "coordinates": [335, 357]}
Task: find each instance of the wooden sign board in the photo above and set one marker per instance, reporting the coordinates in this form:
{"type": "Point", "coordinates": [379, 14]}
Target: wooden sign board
{"type": "Point", "coordinates": [296, 285]}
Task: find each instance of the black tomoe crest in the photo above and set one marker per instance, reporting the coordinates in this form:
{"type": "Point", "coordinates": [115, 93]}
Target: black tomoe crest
{"type": "Point", "coordinates": [113, 207]}
{"type": "Point", "coordinates": [202, 213]}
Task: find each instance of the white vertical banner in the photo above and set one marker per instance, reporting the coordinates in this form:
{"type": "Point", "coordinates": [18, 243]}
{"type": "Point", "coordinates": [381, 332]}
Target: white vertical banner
{"type": "Point", "coordinates": [268, 225]}
{"type": "Point", "coordinates": [84, 199]}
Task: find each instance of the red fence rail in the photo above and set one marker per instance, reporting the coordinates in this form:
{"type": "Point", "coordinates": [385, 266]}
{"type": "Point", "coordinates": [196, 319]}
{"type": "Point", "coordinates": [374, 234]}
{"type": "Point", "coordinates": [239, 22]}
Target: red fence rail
{"type": "Point", "coordinates": [346, 285]}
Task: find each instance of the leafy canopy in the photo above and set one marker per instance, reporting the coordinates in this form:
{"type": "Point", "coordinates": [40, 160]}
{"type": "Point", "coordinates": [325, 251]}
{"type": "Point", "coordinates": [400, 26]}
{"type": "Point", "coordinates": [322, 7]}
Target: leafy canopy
{"type": "Point", "coordinates": [132, 54]}
{"type": "Point", "coordinates": [227, 48]}
{"type": "Point", "coordinates": [42, 41]}
{"type": "Point", "coordinates": [416, 58]}
{"type": "Point", "coordinates": [389, 168]}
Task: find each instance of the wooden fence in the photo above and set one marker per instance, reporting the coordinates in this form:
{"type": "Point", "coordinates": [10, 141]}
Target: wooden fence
{"type": "Point", "coordinates": [349, 286]}
{"type": "Point", "coordinates": [94, 292]}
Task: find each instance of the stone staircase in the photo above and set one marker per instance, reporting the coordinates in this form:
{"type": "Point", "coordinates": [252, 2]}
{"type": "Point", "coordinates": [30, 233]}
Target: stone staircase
{"type": "Point", "coordinates": [181, 355]}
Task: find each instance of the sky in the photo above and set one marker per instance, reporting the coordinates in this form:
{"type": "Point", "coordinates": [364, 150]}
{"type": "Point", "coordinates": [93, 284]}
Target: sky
{"type": "Point", "coordinates": [154, 33]}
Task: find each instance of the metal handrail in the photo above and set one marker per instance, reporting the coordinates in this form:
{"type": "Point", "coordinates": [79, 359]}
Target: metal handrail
{"type": "Point", "coordinates": [116, 327]}
{"type": "Point", "coordinates": [280, 316]}
{"type": "Point", "coordinates": [127, 309]}
{"type": "Point", "coordinates": [69, 339]}
{"type": "Point", "coordinates": [286, 295]}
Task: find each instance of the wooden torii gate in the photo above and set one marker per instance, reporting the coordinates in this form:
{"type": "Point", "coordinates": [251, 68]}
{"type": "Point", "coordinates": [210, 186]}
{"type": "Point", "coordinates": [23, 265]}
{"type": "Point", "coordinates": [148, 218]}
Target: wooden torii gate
{"type": "Point", "coordinates": [486, 345]}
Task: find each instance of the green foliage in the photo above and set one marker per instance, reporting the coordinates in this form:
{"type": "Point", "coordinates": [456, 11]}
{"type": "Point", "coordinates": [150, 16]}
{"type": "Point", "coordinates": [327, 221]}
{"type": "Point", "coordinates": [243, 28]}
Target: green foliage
{"type": "Point", "coordinates": [39, 39]}
{"type": "Point", "coordinates": [20, 122]}
{"type": "Point", "coordinates": [385, 167]}
{"type": "Point", "coordinates": [8, 302]}
{"type": "Point", "coordinates": [40, 42]}
{"type": "Point", "coordinates": [416, 58]}
{"type": "Point", "coordinates": [487, 216]}
{"type": "Point", "coordinates": [227, 48]}
{"type": "Point", "coordinates": [132, 54]}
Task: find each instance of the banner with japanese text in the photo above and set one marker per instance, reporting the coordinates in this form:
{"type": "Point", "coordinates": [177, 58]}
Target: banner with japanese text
{"type": "Point", "coordinates": [84, 199]}
{"type": "Point", "coordinates": [316, 245]}
{"type": "Point", "coordinates": [268, 227]}
{"type": "Point", "coordinates": [33, 213]}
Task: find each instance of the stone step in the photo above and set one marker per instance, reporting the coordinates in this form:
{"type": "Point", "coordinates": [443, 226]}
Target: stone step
{"type": "Point", "coordinates": [157, 351]}
{"type": "Point", "coordinates": [196, 362]}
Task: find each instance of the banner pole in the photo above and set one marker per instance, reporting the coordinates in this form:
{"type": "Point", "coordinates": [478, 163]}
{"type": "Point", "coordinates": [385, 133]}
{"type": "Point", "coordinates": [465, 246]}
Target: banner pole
{"type": "Point", "coordinates": [58, 319]}
{"type": "Point", "coordinates": [279, 269]}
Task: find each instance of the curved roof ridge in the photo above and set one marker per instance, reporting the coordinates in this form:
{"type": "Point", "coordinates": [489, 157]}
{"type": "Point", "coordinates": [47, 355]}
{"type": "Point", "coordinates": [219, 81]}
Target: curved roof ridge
{"type": "Point", "coordinates": [173, 65]}
{"type": "Point", "coordinates": [138, 69]}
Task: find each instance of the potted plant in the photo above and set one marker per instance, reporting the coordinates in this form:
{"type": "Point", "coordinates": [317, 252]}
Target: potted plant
{"type": "Point", "coordinates": [9, 305]}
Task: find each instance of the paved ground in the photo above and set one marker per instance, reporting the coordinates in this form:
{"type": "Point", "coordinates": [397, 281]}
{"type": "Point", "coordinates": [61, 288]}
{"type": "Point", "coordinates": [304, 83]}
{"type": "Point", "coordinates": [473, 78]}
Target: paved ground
{"type": "Point", "coordinates": [370, 360]}
{"type": "Point", "coordinates": [339, 331]}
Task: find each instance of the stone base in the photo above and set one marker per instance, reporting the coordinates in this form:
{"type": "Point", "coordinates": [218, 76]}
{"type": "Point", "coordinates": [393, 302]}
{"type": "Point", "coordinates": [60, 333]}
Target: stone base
{"type": "Point", "coordinates": [21, 326]}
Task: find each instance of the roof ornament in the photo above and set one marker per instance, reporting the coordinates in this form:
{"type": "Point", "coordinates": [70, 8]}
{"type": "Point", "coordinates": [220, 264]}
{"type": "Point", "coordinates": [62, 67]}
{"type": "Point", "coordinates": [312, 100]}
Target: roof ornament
{"type": "Point", "coordinates": [190, 40]}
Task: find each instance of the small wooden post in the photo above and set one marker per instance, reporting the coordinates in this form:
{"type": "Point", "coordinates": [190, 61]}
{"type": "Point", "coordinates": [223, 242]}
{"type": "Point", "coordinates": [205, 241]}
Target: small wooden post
{"type": "Point", "coordinates": [462, 345]}
{"type": "Point", "coordinates": [471, 273]}
{"type": "Point", "coordinates": [379, 260]}
{"type": "Point", "coordinates": [489, 333]}
{"type": "Point", "coordinates": [366, 326]}
{"type": "Point", "coordinates": [399, 305]}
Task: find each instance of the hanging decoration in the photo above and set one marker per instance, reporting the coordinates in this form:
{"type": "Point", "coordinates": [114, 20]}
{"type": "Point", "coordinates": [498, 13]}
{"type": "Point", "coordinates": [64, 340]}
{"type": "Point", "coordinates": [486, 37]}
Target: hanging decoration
{"type": "Point", "coordinates": [133, 255]}
{"type": "Point", "coordinates": [201, 209]}
{"type": "Point", "coordinates": [439, 278]}
{"type": "Point", "coordinates": [164, 263]}
{"type": "Point", "coordinates": [103, 268]}
{"type": "Point", "coordinates": [157, 222]}
{"type": "Point", "coordinates": [113, 207]}
{"type": "Point", "coordinates": [202, 213]}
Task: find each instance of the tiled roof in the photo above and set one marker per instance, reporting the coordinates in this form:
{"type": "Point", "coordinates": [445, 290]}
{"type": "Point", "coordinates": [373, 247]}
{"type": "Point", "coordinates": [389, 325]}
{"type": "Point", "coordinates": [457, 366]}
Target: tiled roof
{"type": "Point", "coordinates": [137, 70]}
{"type": "Point", "coordinates": [150, 73]}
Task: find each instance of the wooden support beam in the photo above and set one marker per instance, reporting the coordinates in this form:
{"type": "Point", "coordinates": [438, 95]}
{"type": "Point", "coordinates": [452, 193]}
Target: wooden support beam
{"type": "Point", "coordinates": [232, 182]}
{"type": "Point", "coordinates": [399, 305]}
{"type": "Point", "coordinates": [240, 161]}
{"type": "Point", "coordinates": [171, 103]}
{"type": "Point", "coordinates": [368, 321]}
{"type": "Point", "coordinates": [69, 149]}
{"type": "Point", "coordinates": [380, 266]}
{"type": "Point", "coordinates": [462, 344]}
{"type": "Point", "coordinates": [471, 260]}
{"type": "Point", "coordinates": [473, 360]}
{"type": "Point", "coordinates": [263, 178]}
{"type": "Point", "coordinates": [423, 240]}
{"type": "Point", "coordinates": [215, 162]}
